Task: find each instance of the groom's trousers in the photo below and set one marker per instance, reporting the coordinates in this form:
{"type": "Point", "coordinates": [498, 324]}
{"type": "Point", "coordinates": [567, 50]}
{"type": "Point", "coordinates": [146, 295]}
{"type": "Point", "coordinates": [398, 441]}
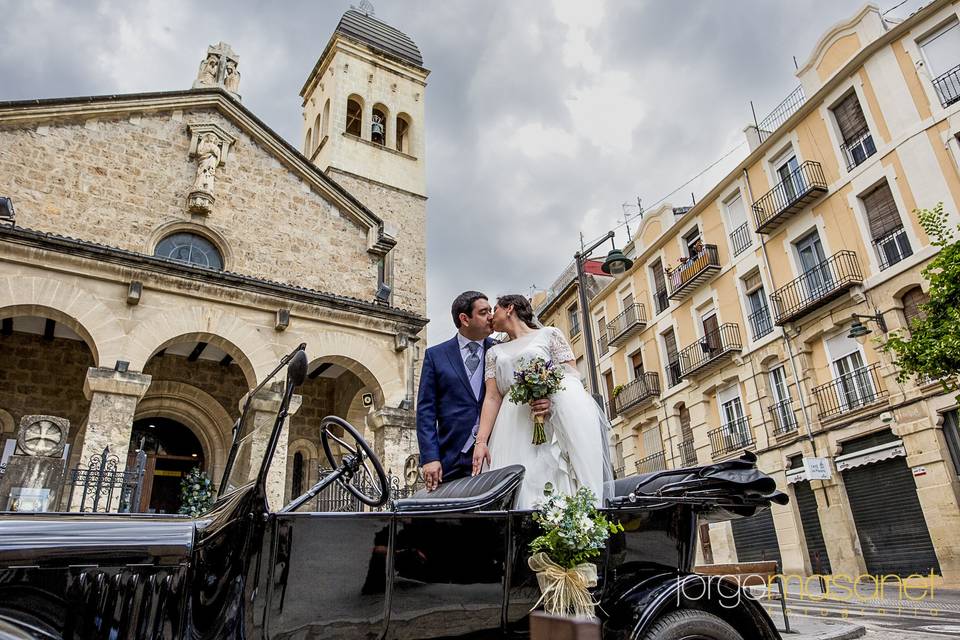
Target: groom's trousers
{"type": "Point", "coordinates": [463, 468]}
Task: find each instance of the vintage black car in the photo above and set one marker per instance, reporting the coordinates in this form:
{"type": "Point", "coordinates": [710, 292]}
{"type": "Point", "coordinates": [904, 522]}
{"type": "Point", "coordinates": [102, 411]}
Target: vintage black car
{"type": "Point", "coordinates": [449, 564]}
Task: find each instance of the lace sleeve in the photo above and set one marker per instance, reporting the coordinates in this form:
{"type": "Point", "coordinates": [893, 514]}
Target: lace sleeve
{"type": "Point", "coordinates": [490, 365]}
{"type": "Point", "coordinates": [560, 350]}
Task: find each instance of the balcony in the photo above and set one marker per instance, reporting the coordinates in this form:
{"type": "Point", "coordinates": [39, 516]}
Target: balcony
{"type": "Point", "coordinates": [948, 86]}
{"type": "Point", "coordinates": [612, 410]}
{"type": "Point", "coordinates": [732, 437]}
{"type": "Point", "coordinates": [661, 300]}
{"type": "Point", "coordinates": [789, 197]}
{"type": "Point", "coordinates": [850, 392]}
{"type": "Point", "coordinates": [784, 418]}
{"type": "Point", "coordinates": [820, 284]}
{"type": "Point", "coordinates": [858, 149]}
{"type": "Point", "coordinates": [892, 248]}
{"type": "Point", "coordinates": [693, 271]}
{"type": "Point", "coordinates": [674, 374]}
{"type": "Point", "coordinates": [760, 322]}
{"type": "Point", "coordinates": [688, 454]}
{"type": "Point", "coordinates": [741, 239]}
{"type": "Point", "coordinates": [711, 350]}
{"type": "Point", "coordinates": [781, 113]}
{"type": "Point", "coordinates": [655, 462]}
{"type": "Point", "coordinates": [632, 320]}
{"type": "Point", "coordinates": [636, 393]}
{"type": "Point", "coordinates": [602, 345]}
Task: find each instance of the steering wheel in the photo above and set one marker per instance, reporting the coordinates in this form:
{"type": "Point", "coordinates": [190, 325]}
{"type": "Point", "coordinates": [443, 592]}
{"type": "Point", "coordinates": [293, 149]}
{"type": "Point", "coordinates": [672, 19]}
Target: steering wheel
{"type": "Point", "coordinates": [354, 462]}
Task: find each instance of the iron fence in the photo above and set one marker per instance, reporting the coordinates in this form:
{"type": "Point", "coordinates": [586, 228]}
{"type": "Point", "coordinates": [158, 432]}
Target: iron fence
{"type": "Point", "coordinates": [947, 86]}
{"type": "Point", "coordinates": [741, 239]}
{"type": "Point", "coordinates": [694, 269]}
{"type": "Point", "coordinates": [632, 318]}
{"type": "Point", "coordinates": [337, 498]}
{"type": "Point", "coordinates": [643, 388]}
{"type": "Point", "coordinates": [602, 345]}
{"type": "Point", "coordinates": [781, 113]}
{"type": "Point", "coordinates": [688, 453]}
{"type": "Point", "coordinates": [851, 391]}
{"type": "Point", "coordinates": [788, 196]}
{"type": "Point", "coordinates": [784, 417]}
{"type": "Point", "coordinates": [733, 436]}
{"type": "Point", "coordinates": [102, 486]}
{"type": "Point", "coordinates": [892, 248]}
{"type": "Point", "coordinates": [760, 322]}
{"type": "Point", "coordinates": [661, 300]}
{"type": "Point", "coordinates": [655, 462]}
{"type": "Point", "coordinates": [720, 341]}
{"type": "Point", "coordinates": [674, 373]}
{"type": "Point", "coordinates": [818, 284]}
{"type": "Point", "coordinates": [858, 148]}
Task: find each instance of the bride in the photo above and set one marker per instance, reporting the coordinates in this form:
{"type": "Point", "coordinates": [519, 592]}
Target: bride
{"type": "Point", "coordinates": [576, 452]}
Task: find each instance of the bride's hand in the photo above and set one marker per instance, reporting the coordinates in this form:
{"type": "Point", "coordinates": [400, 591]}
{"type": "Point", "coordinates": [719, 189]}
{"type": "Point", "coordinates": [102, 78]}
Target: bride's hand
{"type": "Point", "coordinates": [540, 407]}
{"type": "Point", "coordinates": [480, 454]}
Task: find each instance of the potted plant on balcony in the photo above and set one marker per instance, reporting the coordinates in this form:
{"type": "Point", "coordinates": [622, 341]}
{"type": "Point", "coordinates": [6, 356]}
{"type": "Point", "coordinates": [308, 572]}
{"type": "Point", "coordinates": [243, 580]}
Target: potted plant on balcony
{"type": "Point", "coordinates": [617, 390]}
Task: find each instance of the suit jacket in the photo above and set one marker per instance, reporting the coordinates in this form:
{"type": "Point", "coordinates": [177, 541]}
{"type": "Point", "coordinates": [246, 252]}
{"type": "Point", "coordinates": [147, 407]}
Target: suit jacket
{"type": "Point", "coordinates": [446, 406]}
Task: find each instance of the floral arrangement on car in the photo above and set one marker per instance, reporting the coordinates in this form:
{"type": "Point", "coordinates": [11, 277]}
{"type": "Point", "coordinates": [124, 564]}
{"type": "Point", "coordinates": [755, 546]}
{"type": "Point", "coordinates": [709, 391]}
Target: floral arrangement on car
{"type": "Point", "coordinates": [574, 533]}
{"type": "Point", "coordinates": [536, 380]}
{"type": "Point", "coordinates": [196, 493]}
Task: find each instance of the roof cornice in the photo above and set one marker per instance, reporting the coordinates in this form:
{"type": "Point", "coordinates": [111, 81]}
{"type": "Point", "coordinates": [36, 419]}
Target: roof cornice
{"type": "Point", "coordinates": [29, 112]}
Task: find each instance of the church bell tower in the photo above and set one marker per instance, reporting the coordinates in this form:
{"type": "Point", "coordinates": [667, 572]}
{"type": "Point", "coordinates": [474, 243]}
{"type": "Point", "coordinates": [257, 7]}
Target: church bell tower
{"type": "Point", "coordinates": [363, 110]}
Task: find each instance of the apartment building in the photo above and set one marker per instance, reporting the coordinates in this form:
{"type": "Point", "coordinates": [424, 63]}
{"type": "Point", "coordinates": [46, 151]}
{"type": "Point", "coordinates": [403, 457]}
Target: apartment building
{"type": "Point", "coordinates": [732, 330]}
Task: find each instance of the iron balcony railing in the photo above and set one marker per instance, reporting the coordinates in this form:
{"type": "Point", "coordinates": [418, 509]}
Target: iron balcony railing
{"type": "Point", "coordinates": [709, 350]}
{"type": "Point", "coordinates": [850, 392]}
{"type": "Point", "coordinates": [631, 320]}
{"type": "Point", "coordinates": [858, 149]}
{"type": "Point", "coordinates": [892, 248]}
{"type": "Point", "coordinates": [612, 409]}
{"type": "Point", "coordinates": [781, 113]}
{"type": "Point", "coordinates": [661, 300]}
{"type": "Point", "coordinates": [948, 86]}
{"type": "Point", "coordinates": [818, 285]}
{"type": "Point", "coordinates": [741, 239]}
{"type": "Point", "coordinates": [688, 454]}
{"type": "Point", "coordinates": [760, 322]}
{"type": "Point", "coordinates": [733, 436]}
{"type": "Point", "coordinates": [635, 393]}
{"type": "Point", "coordinates": [574, 329]}
{"type": "Point", "coordinates": [602, 345]}
{"type": "Point", "coordinates": [674, 373]}
{"type": "Point", "coordinates": [784, 417]}
{"type": "Point", "coordinates": [693, 271]}
{"type": "Point", "coordinates": [790, 196]}
{"type": "Point", "coordinates": [655, 462]}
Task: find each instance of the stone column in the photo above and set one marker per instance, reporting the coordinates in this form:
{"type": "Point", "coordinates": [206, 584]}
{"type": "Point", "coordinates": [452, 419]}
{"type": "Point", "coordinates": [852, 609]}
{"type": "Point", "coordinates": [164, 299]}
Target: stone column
{"type": "Point", "coordinates": [113, 399]}
{"type": "Point", "coordinates": [263, 415]}
{"type": "Point", "coordinates": [395, 437]}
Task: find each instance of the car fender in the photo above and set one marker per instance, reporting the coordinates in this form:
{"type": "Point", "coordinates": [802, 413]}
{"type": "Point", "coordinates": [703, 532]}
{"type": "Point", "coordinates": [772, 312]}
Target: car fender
{"type": "Point", "coordinates": [632, 606]}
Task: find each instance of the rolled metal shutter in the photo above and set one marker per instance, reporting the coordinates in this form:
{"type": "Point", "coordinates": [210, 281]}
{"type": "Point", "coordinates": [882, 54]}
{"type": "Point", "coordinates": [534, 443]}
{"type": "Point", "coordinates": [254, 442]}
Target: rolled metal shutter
{"type": "Point", "coordinates": [756, 538]}
{"type": "Point", "coordinates": [812, 532]}
{"type": "Point", "coordinates": [893, 533]}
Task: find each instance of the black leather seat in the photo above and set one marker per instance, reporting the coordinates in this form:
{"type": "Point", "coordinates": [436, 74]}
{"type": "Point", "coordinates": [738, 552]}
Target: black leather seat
{"type": "Point", "coordinates": [491, 491]}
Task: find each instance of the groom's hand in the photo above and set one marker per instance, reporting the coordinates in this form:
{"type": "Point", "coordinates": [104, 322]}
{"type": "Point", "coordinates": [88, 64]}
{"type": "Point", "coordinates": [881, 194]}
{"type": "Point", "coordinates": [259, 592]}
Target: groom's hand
{"type": "Point", "coordinates": [540, 407]}
{"type": "Point", "coordinates": [433, 475]}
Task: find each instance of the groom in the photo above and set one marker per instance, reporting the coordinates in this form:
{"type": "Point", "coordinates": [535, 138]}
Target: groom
{"type": "Point", "coordinates": [451, 392]}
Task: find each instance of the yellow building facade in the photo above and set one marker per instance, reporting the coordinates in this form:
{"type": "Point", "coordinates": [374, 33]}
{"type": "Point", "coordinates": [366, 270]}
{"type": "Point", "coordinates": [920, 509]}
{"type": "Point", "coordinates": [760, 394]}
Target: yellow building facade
{"type": "Point", "coordinates": [731, 330]}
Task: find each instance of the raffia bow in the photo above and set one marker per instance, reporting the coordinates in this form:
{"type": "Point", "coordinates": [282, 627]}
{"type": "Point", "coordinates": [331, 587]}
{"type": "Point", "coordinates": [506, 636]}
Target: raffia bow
{"type": "Point", "coordinates": [565, 591]}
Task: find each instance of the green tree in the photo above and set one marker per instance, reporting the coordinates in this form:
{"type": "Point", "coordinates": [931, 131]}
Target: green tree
{"type": "Point", "coordinates": [931, 348]}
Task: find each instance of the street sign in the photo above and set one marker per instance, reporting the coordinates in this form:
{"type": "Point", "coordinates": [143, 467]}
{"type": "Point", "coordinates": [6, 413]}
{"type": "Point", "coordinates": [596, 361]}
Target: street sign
{"type": "Point", "coordinates": [817, 468]}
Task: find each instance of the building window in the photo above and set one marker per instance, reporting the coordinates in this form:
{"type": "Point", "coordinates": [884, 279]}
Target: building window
{"type": "Point", "coordinates": [886, 230]}
{"type": "Point", "coordinates": [660, 297]}
{"type": "Point", "coordinates": [611, 401]}
{"type": "Point", "coordinates": [951, 432]}
{"type": "Point", "coordinates": [306, 142]}
{"type": "Point", "coordinates": [378, 124]}
{"type": "Point", "coordinates": [573, 318]}
{"type": "Point", "coordinates": [784, 419]}
{"type": "Point", "coordinates": [190, 248]}
{"type": "Point", "coordinates": [296, 486]}
{"type": "Point", "coordinates": [636, 365]}
{"type": "Point", "coordinates": [403, 134]}
{"type": "Point", "coordinates": [673, 361]}
{"type": "Point", "coordinates": [857, 142]}
{"type": "Point", "coordinates": [354, 117]}
{"type": "Point", "coordinates": [913, 301]}
{"type": "Point", "coordinates": [941, 54]}
{"type": "Point", "coordinates": [693, 244]}
{"type": "Point", "coordinates": [853, 383]}
{"type": "Point", "coordinates": [740, 236]}
{"type": "Point", "coordinates": [759, 318]}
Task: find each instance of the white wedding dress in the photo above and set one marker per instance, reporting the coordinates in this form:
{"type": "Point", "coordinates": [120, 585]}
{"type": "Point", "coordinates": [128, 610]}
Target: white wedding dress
{"type": "Point", "coordinates": [576, 453]}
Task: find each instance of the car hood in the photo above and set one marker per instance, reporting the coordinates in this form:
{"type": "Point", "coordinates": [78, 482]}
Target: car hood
{"type": "Point", "coordinates": [61, 539]}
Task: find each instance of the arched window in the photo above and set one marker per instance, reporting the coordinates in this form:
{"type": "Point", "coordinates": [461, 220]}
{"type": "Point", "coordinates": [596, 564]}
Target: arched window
{"type": "Point", "coordinates": [306, 142]}
{"type": "Point", "coordinates": [317, 134]}
{"type": "Point", "coordinates": [325, 122]}
{"type": "Point", "coordinates": [913, 300]}
{"type": "Point", "coordinates": [354, 117]}
{"type": "Point", "coordinates": [403, 134]}
{"type": "Point", "coordinates": [296, 487]}
{"type": "Point", "coordinates": [378, 124]}
{"type": "Point", "coordinates": [190, 248]}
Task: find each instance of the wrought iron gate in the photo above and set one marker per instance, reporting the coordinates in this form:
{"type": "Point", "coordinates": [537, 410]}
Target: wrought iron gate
{"type": "Point", "coordinates": [336, 498]}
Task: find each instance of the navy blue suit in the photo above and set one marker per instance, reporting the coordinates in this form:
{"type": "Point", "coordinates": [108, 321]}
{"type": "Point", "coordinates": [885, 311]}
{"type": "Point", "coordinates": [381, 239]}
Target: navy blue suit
{"type": "Point", "coordinates": [447, 408]}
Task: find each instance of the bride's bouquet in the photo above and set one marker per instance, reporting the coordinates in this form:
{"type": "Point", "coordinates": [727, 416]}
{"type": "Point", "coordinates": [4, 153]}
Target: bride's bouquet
{"type": "Point", "coordinates": [574, 533]}
{"type": "Point", "coordinates": [536, 380]}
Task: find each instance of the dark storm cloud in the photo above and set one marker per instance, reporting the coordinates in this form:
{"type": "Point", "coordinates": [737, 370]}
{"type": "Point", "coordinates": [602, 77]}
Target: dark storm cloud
{"type": "Point", "coordinates": [543, 117]}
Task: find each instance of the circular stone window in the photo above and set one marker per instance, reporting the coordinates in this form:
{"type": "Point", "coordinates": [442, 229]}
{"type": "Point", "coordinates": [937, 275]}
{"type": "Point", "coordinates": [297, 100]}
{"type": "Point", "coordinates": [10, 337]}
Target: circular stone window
{"type": "Point", "coordinates": [190, 248]}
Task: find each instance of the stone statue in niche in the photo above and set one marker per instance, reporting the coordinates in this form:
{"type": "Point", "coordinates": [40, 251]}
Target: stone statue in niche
{"type": "Point", "coordinates": [219, 69]}
{"type": "Point", "coordinates": [209, 146]}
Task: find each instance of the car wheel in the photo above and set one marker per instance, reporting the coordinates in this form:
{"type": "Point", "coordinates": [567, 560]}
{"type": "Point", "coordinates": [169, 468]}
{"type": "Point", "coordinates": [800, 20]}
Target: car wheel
{"type": "Point", "coordinates": [691, 624]}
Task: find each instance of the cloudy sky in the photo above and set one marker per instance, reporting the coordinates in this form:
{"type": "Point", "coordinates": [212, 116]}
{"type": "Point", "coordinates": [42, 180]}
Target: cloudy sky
{"type": "Point", "coordinates": [543, 116]}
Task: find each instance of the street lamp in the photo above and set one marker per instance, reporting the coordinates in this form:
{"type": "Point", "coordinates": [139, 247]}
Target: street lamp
{"type": "Point", "coordinates": [615, 264]}
{"type": "Point", "coordinates": [859, 330]}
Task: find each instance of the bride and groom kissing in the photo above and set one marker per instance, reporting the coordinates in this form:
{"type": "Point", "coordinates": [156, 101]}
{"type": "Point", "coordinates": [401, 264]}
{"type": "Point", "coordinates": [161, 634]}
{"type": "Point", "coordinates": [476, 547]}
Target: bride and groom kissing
{"type": "Point", "coordinates": [465, 427]}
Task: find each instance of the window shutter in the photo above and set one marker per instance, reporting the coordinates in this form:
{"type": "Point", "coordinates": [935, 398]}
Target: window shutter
{"type": "Point", "coordinates": [850, 118]}
{"type": "Point", "coordinates": [912, 300]}
{"type": "Point", "coordinates": [658, 280]}
{"type": "Point", "coordinates": [671, 343]}
{"type": "Point", "coordinates": [882, 212]}
{"type": "Point", "coordinates": [752, 282]}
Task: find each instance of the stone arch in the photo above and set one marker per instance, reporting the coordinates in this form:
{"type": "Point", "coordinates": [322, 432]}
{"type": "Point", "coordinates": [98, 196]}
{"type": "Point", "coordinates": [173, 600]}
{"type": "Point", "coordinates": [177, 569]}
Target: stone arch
{"type": "Point", "coordinates": [198, 411]}
{"type": "Point", "coordinates": [381, 111]}
{"type": "Point", "coordinates": [325, 121]}
{"type": "Point", "coordinates": [317, 134]}
{"type": "Point", "coordinates": [183, 226]}
{"type": "Point", "coordinates": [306, 142]}
{"type": "Point", "coordinates": [68, 304]}
{"type": "Point", "coordinates": [7, 423]}
{"type": "Point", "coordinates": [311, 456]}
{"type": "Point", "coordinates": [215, 326]}
{"type": "Point", "coordinates": [354, 116]}
{"type": "Point", "coordinates": [404, 133]}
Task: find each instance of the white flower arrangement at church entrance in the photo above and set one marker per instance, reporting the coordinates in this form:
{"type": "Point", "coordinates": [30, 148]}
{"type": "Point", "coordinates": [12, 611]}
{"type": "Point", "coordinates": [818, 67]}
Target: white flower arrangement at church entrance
{"type": "Point", "coordinates": [574, 533]}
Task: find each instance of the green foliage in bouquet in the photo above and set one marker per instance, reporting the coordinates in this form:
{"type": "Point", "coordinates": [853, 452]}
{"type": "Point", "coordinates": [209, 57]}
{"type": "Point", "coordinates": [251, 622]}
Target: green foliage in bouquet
{"type": "Point", "coordinates": [536, 380]}
{"type": "Point", "coordinates": [196, 493]}
{"type": "Point", "coordinates": [574, 531]}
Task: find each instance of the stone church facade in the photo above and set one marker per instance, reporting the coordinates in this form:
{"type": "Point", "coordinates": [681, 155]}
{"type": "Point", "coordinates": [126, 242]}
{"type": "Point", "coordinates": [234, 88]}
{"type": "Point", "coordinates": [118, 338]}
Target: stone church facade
{"type": "Point", "coordinates": [169, 248]}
